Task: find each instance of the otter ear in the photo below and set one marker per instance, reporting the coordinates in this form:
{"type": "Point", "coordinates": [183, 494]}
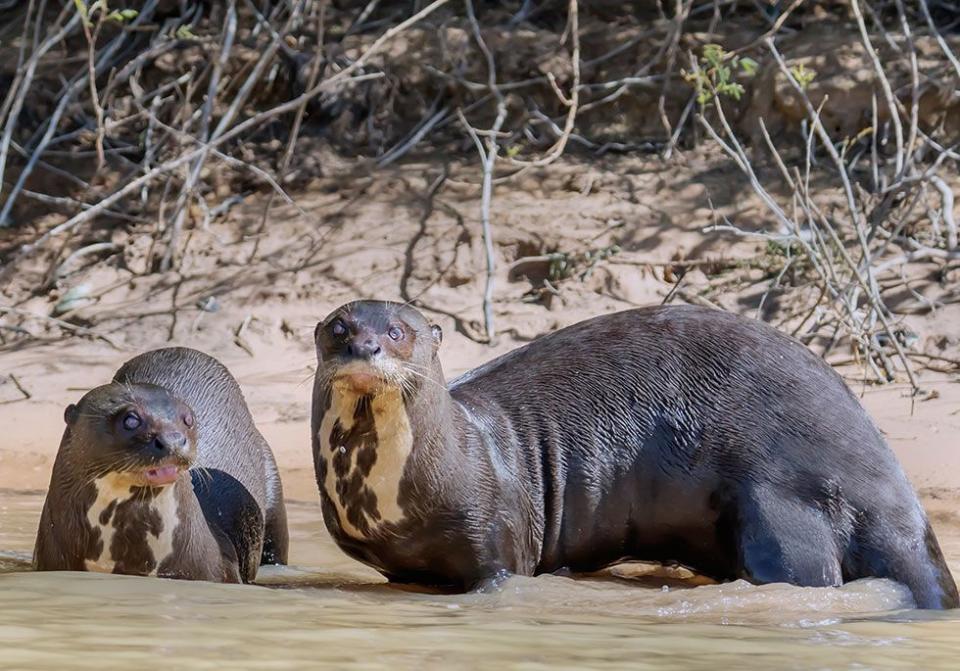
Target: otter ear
{"type": "Point", "coordinates": [437, 333]}
{"type": "Point", "coordinates": [71, 413]}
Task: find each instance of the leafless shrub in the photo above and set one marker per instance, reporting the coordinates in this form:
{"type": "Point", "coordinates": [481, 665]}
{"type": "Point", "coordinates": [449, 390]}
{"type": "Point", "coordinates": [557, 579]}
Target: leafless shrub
{"type": "Point", "coordinates": [887, 201]}
{"type": "Point", "coordinates": [176, 108]}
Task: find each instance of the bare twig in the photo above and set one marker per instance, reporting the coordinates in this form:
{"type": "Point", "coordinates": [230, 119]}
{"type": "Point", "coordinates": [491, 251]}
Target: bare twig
{"type": "Point", "coordinates": [20, 87]}
{"type": "Point", "coordinates": [863, 274]}
{"type": "Point", "coordinates": [81, 330]}
{"type": "Point", "coordinates": [681, 12]}
{"type": "Point", "coordinates": [884, 82]}
{"type": "Point", "coordinates": [399, 151]}
{"type": "Point", "coordinates": [92, 34]}
{"type": "Point", "coordinates": [346, 74]}
{"type": "Point", "coordinates": [23, 390]}
{"type": "Point", "coordinates": [488, 158]}
{"type": "Point", "coordinates": [946, 196]}
{"type": "Point", "coordinates": [572, 102]}
{"type": "Point", "coordinates": [314, 72]}
{"type": "Point", "coordinates": [948, 52]}
{"type": "Point", "coordinates": [187, 193]}
{"type": "Point", "coordinates": [72, 88]}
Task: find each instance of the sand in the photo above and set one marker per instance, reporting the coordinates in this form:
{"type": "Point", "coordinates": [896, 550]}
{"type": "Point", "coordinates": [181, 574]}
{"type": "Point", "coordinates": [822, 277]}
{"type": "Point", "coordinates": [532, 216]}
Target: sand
{"type": "Point", "coordinates": [378, 237]}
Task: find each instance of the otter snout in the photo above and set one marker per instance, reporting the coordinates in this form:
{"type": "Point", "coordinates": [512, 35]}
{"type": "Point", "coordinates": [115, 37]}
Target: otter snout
{"type": "Point", "coordinates": [363, 346]}
{"type": "Point", "coordinates": [367, 347]}
{"type": "Point", "coordinates": [169, 452]}
{"type": "Point", "coordinates": [171, 444]}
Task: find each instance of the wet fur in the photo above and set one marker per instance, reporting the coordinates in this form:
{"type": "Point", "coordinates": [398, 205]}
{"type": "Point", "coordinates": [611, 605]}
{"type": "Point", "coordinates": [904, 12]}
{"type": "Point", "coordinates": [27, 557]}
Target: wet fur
{"type": "Point", "coordinates": [670, 434]}
{"type": "Point", "coordinates": [208, 525]}
{"type": "Point", "coordinates": [125, 534]}
{"type": "Point", "coordinates": [229, 440]}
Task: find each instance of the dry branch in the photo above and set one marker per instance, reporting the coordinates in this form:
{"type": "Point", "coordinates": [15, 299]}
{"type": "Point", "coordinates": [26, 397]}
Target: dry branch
{"type": "Point", "coordinates": [238, 130]}
{"type": "Point", "coordinates": [156, 133]}
{"type": "Point", "coordinates": [488, 159]}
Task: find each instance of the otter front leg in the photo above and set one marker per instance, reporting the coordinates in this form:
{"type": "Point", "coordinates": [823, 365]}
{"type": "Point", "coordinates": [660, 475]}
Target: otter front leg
{"type": "Point", "coordinates": [782, 540]}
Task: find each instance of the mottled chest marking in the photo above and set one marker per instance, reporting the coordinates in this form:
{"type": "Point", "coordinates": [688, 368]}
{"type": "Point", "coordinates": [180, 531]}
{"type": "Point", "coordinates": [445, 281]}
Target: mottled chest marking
{"type": "Point", "coordinates": [135, 527]}
{"type": "Point", "coordinates": [364, 445]}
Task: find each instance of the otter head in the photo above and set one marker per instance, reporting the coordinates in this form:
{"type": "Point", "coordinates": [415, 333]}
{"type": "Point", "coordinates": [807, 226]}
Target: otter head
{"type": "Point", "coordinates": [366, 347]}
{"type": "Point", "coordinates": [140, 434]}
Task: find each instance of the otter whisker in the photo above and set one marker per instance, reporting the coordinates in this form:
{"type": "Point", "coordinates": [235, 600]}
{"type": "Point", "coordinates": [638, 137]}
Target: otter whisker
{"type": "Point", "coordinates": [311, 376]}
{"type": "Point", "coordinates": [203, 472]}
{"type": "Point", "coordinates": [426, 378]}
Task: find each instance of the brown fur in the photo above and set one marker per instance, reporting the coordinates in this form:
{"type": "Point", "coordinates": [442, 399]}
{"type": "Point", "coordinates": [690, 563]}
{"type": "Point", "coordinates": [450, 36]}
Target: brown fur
{"type": "Point", "coordinates": [102, 513]}
{"type": "Point", "coordinates": [672, 434]}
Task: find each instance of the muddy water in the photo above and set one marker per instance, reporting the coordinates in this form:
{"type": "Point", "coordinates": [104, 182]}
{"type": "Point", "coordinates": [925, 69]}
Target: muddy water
{"type": "Point", "coordinates": [332, 610]}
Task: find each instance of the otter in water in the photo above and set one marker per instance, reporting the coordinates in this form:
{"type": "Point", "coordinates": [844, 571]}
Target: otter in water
{"type": "Point", "coordinates": [162, 472]}
{"type": "Point", "coordinates": [674, 434]}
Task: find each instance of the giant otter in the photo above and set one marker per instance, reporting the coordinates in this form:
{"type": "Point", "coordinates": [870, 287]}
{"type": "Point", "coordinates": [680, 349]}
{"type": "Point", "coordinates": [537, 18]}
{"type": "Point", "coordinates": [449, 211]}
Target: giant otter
{"type": "Point", "coordinates": [668, 433]}
{"type": "Point", "coordinates": [162, 472]}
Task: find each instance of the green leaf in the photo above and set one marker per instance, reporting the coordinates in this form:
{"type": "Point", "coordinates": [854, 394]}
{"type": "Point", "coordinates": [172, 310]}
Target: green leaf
{"type": "Point", "coordinates": [717, 74]}
{"type": "Point", "coordinates": [82, 9]}
{"type": "Point", "coordinates": [713, 54]}
{"type": "Point", "coordinates": [184, 33]}
{"type": "Point", "coordinates": [802, 75]}
{"type": "Point", "coordinates": [123, 15]}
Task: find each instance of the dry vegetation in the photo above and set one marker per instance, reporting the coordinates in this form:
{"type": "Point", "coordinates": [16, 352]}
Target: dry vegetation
{"type": "Point", "coordinates": [131, 132]}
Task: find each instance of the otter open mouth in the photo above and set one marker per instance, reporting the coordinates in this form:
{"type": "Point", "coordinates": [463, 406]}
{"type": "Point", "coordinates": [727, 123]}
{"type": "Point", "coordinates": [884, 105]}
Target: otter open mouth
{"type": "Point", "coordinates": [161, 475]}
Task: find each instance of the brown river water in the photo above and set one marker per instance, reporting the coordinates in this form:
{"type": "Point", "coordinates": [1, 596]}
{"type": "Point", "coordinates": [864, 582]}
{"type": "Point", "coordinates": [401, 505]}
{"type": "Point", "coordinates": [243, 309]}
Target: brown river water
{"type": "Point", "coordinates": [331, 610]}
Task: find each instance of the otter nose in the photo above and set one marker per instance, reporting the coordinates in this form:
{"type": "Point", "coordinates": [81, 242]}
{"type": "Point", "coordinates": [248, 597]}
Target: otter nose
{"type": "Point", "coordinates": [365, 347]}
{"type": "Point", "coordinates": [170, 442]}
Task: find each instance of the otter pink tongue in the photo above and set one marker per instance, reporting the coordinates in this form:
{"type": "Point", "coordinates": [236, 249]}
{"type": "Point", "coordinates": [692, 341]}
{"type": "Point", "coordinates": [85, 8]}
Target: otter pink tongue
{"type": "Point", "coordinates": [162, 475]}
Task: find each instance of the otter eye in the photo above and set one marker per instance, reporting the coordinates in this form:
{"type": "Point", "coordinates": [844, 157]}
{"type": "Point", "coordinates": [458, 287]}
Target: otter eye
{"type": "Point", "coordinates": [188, 420]}
{"type": "Point", "coordinates": [131, 421]}
{"type": "Point", "coordinates": [338, 328]}
{"type": "Point", "coordinates": [395, 332]}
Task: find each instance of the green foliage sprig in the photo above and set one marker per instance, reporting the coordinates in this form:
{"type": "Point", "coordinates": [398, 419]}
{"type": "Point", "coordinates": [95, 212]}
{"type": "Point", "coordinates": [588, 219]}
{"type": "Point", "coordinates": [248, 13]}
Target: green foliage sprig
{"type": "Point", "coordinates": [803, 75]}
{"type": "Point", "coordinates": [88, 11]}
{"type": "Point", "coordinates": [714, 74]}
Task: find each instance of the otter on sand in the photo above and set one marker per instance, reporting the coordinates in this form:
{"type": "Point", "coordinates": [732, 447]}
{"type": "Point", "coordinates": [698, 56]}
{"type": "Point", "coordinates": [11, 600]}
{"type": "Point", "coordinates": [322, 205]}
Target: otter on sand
{"type": "Point", "coordinates": [162, 472]}
{"type": "Point", "coordinates": [674, 433]}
